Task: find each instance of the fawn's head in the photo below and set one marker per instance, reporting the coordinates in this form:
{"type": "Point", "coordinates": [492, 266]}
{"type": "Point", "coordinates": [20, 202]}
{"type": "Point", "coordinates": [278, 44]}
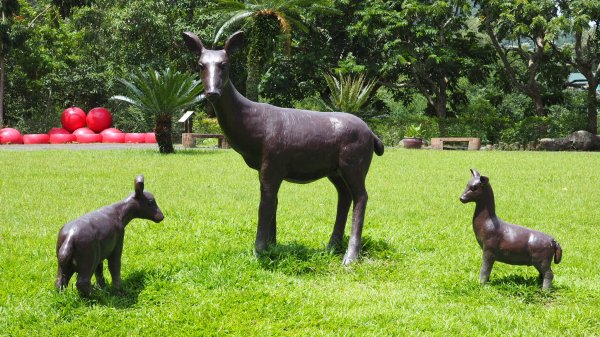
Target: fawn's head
{"type": "Point", "coordinates": [475, 187]}
{"type": "Point", "coordinates": [143, 203]}
{"type": "Point", "coordinates": [214, 64]}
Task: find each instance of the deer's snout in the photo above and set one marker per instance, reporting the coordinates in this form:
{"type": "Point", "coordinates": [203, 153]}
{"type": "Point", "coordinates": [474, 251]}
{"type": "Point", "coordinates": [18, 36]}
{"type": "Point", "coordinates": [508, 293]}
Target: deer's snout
{"type": "Point", "coordinates": [212, 95]}
{"type": "Point", "coordinates": [159, 216]}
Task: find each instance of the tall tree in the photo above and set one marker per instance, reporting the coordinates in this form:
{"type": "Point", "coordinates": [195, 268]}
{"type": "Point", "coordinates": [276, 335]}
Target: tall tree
{"type": "Point", "coordinates": [581, 20]}
{"type": "Point", "coordinates": [518, 31]}
{"type": "Point", "coordinates": [267, 22]}
{"type": "Point", "coordinates": [8, 39]}
{"type": "Point", "coordinates": [424, 45]}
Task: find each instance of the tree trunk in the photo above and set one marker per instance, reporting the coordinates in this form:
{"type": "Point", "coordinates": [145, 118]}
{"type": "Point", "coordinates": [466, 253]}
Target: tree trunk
{"type": "Point", "coordinates": [253, 79]}
{"type": "Point", "coordinates": [1, 91]}
{"type": "Point", "coordinates": [592, 108]}
{"type": "Point", "coordinates": [164, 126]}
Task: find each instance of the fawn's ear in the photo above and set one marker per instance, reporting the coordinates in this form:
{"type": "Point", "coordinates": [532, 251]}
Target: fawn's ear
{"type": "Point", "coordinates": [474, 173]}
{"type": "Point", "coordinates": [193, 42]}
{"type": "Point", "coordinates": [139, 185]}
{"type": "Point", "coordinates": [235, 42]}
{"type": "Point", "coordinates": [484, 180]}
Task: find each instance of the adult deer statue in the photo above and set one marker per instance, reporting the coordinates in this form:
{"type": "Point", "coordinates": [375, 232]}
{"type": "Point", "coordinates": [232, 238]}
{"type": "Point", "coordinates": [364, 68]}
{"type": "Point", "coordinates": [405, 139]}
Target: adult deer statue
{"type": "Point", "coordinates": [299, 146]}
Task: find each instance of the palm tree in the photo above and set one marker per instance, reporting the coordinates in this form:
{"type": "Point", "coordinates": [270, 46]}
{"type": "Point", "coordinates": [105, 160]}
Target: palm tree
{"type": "Point", "coordinates": [162, 94]}
{"type": "Point", "coordinates": [348, 93]}
{"type": "Point", "coordinates": [265, 22]}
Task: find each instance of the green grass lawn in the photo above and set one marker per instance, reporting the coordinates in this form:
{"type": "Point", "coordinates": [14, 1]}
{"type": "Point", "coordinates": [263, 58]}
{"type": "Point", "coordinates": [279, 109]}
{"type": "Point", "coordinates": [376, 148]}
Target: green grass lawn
{"type": "Point", "coordinates": [195, 273]}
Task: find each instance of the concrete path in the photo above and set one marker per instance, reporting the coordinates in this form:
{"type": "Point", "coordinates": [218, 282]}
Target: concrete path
{"type": "Point", "coordinates": [81, 147]}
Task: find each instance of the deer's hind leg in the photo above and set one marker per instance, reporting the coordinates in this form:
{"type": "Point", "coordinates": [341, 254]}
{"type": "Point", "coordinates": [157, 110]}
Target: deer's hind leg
{"type": "Point", "coordinates": [343, 206]}
{"type": "Point", "coordinates": [546, 274]}
{"type": "Point", "coordinates": [64, 274]}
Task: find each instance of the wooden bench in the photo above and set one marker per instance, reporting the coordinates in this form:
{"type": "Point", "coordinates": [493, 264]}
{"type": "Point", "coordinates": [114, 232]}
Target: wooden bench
{"type": "Point", "coordinates": [438, 143]}
{"type": "Point", "coordinates": [188, 140]}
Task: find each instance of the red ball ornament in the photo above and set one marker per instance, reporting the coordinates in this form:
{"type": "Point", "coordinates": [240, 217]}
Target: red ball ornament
{"type": "Point", "coordinates": [10, 136]}
{"type": "Point", "coordinates": [36, 138]}
{"type": "Point", "coordinates": [85, 138]}
{"type": "Point", "coordinates": [99, 119]}
{"type": "Point", "coordinates": [135, 137]}
{"type": "Point", "coordinates": [60, 138]}
{"type": "Point", "coordinates": [113, 137]}
{"type": "Point", "coordinates": [150, 138]}
{"type": "Point", "coordinates": [111, 130]}
{"type": "Point", "coordinates": [58, 131]}
{"type": "Point", "coordinates": [83, 131]}
{"type": "Point", "coordinates": [72, 119]}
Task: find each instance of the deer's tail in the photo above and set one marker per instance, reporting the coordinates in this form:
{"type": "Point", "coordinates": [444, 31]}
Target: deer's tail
{"type": "Point", "coordinates": [557, 252]}
{"type": "Point", "coordinates": [378, 145]}
{"type": "Point", "coordinates": [65, 252]}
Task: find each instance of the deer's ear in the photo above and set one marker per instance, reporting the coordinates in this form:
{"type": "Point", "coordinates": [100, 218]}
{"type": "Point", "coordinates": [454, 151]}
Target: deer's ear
{"type": "Point", "coordinates": [139, 185]}
{"type": "Point", "coordinates": [235, 42]}
{"type": "Point", "coordinates": [193, 42]}
{"type": "Point", "coordinates": [484, 180]}
{"type": "Point", "coordinates": [474, 173]}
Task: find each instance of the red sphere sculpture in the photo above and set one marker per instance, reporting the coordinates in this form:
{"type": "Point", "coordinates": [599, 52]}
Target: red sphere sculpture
{"type": "Point", "coordinates": [10, 136]}
{"type": "Point", "coordinates": [54, 131]}
{"type": "Point", "coordinates": [99, 119]}
{"type": "Point", "coordinates": [150, 138]}
{"type": "Point", "coordinates": [135, 137]}
{"type": "Point", "coordinates": [61, 138]}
{"type": "Point", "coordinates": [83, 131]}
{"type": "Point", "coordinates": [72, 119]}
{"type": "Point", "coordinates": [36, 138]}
{"type": "Point", "coordinates": [113, 137]}
{"type": "Point", "coordinates": [111, 130]}
{"type": "Point", "coordinates": [89, 138]}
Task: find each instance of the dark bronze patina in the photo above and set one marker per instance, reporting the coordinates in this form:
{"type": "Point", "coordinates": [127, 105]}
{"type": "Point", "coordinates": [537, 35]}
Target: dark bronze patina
{"type": "Point", "coordinates": [84, 243]}
{"type": "Point", "coordinates": [288, 144]}
{"type": "Point", "coordinates": [505, 242]}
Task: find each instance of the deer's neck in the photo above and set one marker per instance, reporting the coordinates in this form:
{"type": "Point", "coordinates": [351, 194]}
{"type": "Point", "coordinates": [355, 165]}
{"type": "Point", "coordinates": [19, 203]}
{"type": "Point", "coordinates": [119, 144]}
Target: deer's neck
{"type": "Point", "coordinates": [124, 212]}
{"type": "Point", "coordinates": [485, 208]}
{"type": "Point", "coordinates": [240, 119]}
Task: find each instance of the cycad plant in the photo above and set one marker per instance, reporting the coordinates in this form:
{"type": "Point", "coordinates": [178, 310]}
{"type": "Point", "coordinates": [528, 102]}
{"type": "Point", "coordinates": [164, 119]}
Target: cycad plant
{"type": "Point", "coordinates": [348, 93]}
{"type": "Point", "coordinates": [162, 94]}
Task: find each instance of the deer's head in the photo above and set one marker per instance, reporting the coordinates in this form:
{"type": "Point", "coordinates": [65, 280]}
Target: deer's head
{"type": "Point", "coordinates": [214, 64]}
{"type": "Point", "coordinates": [475, 187]}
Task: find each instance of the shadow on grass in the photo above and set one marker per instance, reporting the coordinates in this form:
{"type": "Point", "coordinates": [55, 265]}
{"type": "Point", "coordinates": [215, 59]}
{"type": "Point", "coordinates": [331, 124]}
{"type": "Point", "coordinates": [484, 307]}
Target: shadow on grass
{"type": "Point", "coordinates": [528, 289]}
{"type": "Point", "coordinates": [297, 259]}
{"type": "Point", "coordinates": [125, 297]}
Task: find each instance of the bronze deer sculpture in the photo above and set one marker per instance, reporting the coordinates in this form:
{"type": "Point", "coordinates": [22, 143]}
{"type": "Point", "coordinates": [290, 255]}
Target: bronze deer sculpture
{"type": "Point", "coordinates": [84, 243]}
{"type": "Point", "coordinates": [505, 242]}
{"type": "Point", "coordinates": [299, 146]}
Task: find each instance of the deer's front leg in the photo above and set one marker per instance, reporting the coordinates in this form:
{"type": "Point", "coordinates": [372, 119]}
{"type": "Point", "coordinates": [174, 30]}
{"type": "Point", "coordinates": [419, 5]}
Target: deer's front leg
{"type": "Point", "coordinates": [266, 234]}
{"type": "Point", "coordinates": [486, 267]}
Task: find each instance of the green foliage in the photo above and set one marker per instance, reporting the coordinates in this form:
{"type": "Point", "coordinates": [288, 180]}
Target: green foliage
{"type": "Point", "coordinates": [413, 131]}
{"type": "Point", "coordinates": [349, 93]}
{"type": "Point", "coordinates": [195, 272]}
{"type": "Point", "coordinates": [162, 95]}
{"type": "Point", "coordinates": [162, 92]}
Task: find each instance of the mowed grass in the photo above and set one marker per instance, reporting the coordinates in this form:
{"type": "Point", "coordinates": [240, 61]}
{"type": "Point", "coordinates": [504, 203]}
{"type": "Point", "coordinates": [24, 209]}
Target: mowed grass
{"type": "Point", "coordinates": [195, 273]}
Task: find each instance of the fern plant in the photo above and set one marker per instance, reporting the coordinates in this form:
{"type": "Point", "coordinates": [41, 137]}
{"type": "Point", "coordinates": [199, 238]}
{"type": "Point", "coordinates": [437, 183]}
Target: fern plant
{"type": "Point", "coordinates": [162, 94]}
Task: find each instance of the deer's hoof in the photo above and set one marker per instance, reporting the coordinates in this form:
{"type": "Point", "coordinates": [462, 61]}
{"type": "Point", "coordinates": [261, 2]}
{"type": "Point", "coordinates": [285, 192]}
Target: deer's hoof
{"type": "Point", "coordinates": [349, 259]}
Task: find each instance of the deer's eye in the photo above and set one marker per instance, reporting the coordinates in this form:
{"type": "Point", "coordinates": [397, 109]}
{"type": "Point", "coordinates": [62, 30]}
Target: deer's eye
{"type": "Point", "coordinates": [223, 64]}
{"type": "Point", "coordinates": [201, 65]}
{"type": "Point", "coordinates": [473, 188]}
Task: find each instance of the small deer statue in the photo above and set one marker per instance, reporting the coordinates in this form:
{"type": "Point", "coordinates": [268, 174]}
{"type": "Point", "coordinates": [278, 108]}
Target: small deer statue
{"type": "Point", "coordinates": [84, 243]}
{"type": "Point", "coordinates": [505, 242]}
{"type": "Point", "coordinates": [299, 146]}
